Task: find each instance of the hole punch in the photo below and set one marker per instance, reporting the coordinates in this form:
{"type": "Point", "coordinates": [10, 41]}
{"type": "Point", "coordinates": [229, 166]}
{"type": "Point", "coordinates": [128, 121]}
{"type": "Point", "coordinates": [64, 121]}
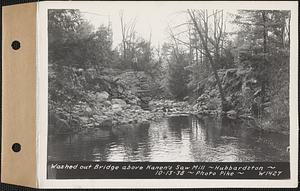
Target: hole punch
{"type": "Point", "coordinates": [16, 45]}
{"type": "Point", "coordinates": [16, 147]}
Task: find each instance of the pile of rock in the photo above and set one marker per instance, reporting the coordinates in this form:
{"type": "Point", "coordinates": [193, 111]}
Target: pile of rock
{"type": "Point", "coordinates": [104, 111]}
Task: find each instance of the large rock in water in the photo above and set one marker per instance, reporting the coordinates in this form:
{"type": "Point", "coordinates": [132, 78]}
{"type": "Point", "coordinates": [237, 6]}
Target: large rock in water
{"type": "Point", "coordinates": [102, 96]}
{"type": "Point", "coordinates": [144, 123]}
{"type": "Point", "coordinates": [120, 102]}
{"type": "Point", "coordinates": [107, 123]}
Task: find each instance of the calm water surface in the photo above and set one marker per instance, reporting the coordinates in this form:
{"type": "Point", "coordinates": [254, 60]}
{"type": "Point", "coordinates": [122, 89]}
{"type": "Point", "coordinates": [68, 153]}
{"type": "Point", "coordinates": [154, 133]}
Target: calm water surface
{"type": "Point", "coordinates": [181, 138]}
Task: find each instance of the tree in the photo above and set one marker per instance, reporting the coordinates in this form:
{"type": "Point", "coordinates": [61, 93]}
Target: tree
{"type": "Point", "coordinates": [264, 31]}
{"type": "Point", "coordinates": [200, 21]}
{"type": "Point", "coordinates": [98, 52]}
{"type": "Point", "coordinates": [64, 27]}
{"type": "Point", "coordinates": [128, 39]}
{"type": "Point", "coordinates": [76, 53]}
{"type": "Point", "coordinates": [178, 77]}
{"type": "Point", "coordinates": [263, 43]}
{"type": "Point", "coordinates": [143, 54]}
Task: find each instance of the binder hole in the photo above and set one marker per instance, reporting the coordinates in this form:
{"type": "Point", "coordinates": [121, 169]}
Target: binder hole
{"type": "Point", "coordinates": [15, 45]}
{"type": "Point", "coordinates": [16, 147]}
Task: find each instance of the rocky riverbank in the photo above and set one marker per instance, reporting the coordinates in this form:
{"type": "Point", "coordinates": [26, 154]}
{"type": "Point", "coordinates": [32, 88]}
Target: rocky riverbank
{"type": "Point", "coordinates": [139, 104]}
{"type": "Point", "coordinates": [111, 112]}
{"type": "Point", "coordinates": [106, 112]}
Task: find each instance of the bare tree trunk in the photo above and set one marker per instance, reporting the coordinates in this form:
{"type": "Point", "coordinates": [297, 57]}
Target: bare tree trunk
{"type": "Point", "coordinates": [123, 34]}
{"type": "Point", "coordinates": [176, 47]}
{"type": "Point", "coordinates": [128, 37]}
{"type": "Point", "coordinates": [265, 50]}
{"type": "Point", "coordinates": [191, 53]}
{"type": "Point", "coordinates": [264, 32]}
{"type": "Point", "coordinates": [203, 38]}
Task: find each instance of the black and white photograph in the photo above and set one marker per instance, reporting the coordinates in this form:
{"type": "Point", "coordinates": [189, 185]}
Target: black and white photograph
{"type": "Point", "coordinates": [168, 85]}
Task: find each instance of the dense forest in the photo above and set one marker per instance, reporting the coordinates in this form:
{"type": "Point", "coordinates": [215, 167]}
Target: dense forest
{"type": "Point", "coordinates": [201, 70]}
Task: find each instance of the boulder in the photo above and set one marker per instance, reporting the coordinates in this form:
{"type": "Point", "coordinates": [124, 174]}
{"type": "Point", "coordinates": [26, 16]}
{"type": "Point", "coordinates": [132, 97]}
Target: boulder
{"type": "Point", "coordinates": [84, 119]}
{"type": "Point", "coordinates": [120, 102]}
{"type": "Point", "coordinates": [109, 113]}
{"type": "Point", "coordinates": [231, 114]}
{"type": "Point", "coordinates": [116, 107]}
{"type": "Point", "coordinates": [107, 103]}
{"type": "Point", "coordinates": [124, 121]}
{"type": "Point", "coordinates": [102, 96]}
{"type": "Point", "coordinates": [202, 97]}
{"type": "Point", "coordinates": [134, 101]}
{"type": "Point", "coordinates": [88, 111]}
{"type": "Point", "coordinates": [136, 107]}
{"type": "Point", "coordinates": [146, 99]}
{"type": "Point", "coordinates": [107, 123]}
{"type": "Point", "coordinates": [144, 123]}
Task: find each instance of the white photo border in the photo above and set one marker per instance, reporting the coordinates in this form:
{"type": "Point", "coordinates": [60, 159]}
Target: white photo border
{"type": "Point", "coordinates": [42, 99]}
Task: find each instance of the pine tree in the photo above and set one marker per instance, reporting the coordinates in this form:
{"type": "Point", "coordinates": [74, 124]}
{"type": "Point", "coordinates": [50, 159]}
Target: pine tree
{"type": "Point", "coordinates": [178, 77]}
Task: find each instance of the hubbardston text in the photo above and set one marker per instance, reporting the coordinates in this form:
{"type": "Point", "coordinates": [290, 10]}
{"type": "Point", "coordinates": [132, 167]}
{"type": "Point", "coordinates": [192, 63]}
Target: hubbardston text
{"type": "Point", "coordinates": [98, 170]}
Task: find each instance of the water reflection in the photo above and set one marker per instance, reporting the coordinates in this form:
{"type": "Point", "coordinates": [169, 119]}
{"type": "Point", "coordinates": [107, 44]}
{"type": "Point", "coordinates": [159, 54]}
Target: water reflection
{"type": "Point", "coordinates": [181, 138]}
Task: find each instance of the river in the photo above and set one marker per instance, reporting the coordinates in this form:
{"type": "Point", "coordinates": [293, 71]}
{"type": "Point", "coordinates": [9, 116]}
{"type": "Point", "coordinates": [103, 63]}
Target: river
{"type": "Point", "coordinates": [180, 138]}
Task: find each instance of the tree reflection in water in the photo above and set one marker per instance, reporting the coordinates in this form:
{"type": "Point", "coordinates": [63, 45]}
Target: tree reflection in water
{"type": "Point", "coordinates": [181, 138]}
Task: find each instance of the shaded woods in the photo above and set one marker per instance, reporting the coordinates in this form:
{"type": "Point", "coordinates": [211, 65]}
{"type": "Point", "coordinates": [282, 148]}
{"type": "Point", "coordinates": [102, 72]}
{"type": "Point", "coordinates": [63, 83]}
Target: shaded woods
{"type": "Point", "coordinates": [203, 69]}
